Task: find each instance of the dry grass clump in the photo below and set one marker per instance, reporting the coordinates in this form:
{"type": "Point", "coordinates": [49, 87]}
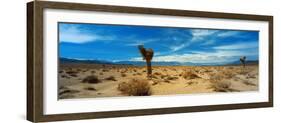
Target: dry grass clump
{"type": "Point", "coordinates": [250, 76]}
{"type": "Point", "coordinates": [222, 86]}
{"type": "Point", "coordinates": [91, 79]}
{"type": "Point", "coordinates": [105, 70]}
{"type": "Point", "coordinates": [154, 76]}
{"type": "Point", "coordinates": [72, 73]}
{"type": "Point", "coordinates": [64, 76]}
{"type": "Point", "coordinates": [246, 82]}
{"type": "Point", "coordinates": [135, 87]}
{"type": "Point", "coordinates": [189, 75]}
{"type": "Point", "coordinates": [167, 81]}
{"type": "Point", "coordinates": [112, 78]}
{"type": "Point", "coordinates": [191, 83]}
{"type": "Point", "coordinates": [157, 73]}
{"type": "Point", "coordinates": [69, 91]}
{"type": "Point", "coordinates": [123, 74]}
{"type": "Point", "coordinates": [171, 78]}
{"type": "Point", "coordinates": [90, 89]}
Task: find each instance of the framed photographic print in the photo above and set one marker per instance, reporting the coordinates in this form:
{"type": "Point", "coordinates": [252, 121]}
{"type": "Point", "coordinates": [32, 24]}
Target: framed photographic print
{"type": "Point", "coordinates": [96, 61]}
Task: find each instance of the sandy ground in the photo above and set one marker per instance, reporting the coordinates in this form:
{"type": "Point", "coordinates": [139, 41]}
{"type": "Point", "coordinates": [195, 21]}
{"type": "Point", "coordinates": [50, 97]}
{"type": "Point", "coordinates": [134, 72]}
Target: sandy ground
{"type": "Point", "coordinates": [166, 80]}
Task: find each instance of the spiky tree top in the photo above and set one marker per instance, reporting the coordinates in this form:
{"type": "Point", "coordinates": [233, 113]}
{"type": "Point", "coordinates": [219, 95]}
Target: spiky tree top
{"type": "Point", "coordinates": [147, 54]}
{"type": "Point", "coordinates": [243, 60]}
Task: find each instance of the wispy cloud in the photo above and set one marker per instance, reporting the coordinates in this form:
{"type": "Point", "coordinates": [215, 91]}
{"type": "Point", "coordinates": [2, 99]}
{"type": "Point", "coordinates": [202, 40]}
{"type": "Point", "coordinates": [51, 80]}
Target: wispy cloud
{"type": "Point", "coordinates": [202, 57]}
{"type": "Point", "coordinates": [74, 34]}
{"type": "Point", "coordinates": [202, 32]}
{"type": "Point", "coordinates": [244, 45]}
{"type": "Point", "coordinates": [136, 41]}
{"type": "Point", "coordinates": [228, 33]}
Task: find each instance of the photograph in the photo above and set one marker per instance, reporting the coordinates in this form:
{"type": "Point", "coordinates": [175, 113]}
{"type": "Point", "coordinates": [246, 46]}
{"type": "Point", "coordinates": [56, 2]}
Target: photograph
{"type": "Point", "coordinates": [106, 60]}
{"type": "Point", "coordinates": [91, 61]}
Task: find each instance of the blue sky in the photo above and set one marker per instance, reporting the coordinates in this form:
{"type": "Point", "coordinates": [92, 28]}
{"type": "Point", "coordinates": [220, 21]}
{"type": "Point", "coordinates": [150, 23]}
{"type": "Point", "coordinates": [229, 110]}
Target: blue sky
{"type": "Point", "coordinates": [119, 43]}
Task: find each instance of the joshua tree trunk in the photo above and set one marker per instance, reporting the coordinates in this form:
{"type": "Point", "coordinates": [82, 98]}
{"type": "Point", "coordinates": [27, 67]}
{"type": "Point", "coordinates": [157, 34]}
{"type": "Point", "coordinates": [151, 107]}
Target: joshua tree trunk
{"type": "Point", "coordinates": [149, 70]}
{"type": "Point", "coordinates": [147, 55]}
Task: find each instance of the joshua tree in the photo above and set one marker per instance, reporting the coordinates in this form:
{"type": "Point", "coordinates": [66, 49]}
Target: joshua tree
{"type": "Point", "coordinates": [147, 55]}
{"type": "Point", "coordinates": [243, 60]}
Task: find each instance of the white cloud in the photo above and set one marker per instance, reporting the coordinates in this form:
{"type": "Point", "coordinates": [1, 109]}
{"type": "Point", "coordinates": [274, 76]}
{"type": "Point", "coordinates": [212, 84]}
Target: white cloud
{"type": "Point", "coordinates": [202, 57]}
{"type": "Point", "coordinates": [135, 42]}
{"type": "Point", "coordinates": [200, 35]}
{"type": "Point", "coordinates": [179, 47]}
{"type": "Point", "coordinates": [195, 58]}
{"type": "Point", "coordinates": [228, 34]}
{"type": "Point", "coordinates": [246, 45]}
{"type": "Point", "coordinates": [202, 32]}
{"type": "Point", "coordinates": [73, 34]}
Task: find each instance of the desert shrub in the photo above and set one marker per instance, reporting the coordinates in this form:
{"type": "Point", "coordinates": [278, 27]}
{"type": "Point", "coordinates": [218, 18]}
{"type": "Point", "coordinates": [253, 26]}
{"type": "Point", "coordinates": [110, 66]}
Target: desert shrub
{"type": "Point", "coordinates": [105, 70]}
{"type": "Point", "coordinates": [189, 75]}
{"type": "Point", "coordinates": [135, 87]}
{"type": "Point", "coordinates": [101, 73]}
{"type": "Point", "coordinates": [163, 76]}
{"type": "Point", "coordinates": [221, 86]}
{"type": "Point", "coordinates": [154, 76]}
{"type": "Point", "coordinates": [139, 73]}
{"type": "Point", "coordinates": [91, 79]}
{"type": "Point", "coordinates": [191, 83]}
{"type": "Point", "coordinates": [172, 78]}
{"type": "Point", "coordinates": [167, 81]}
{"type": "Point", "coordinates": [90, 89]}
{"type": "Point", "coordinates": [157, 73]}
{"type": "Point", "coordinates": [68, 92]}
{"type": "Point", "coordinates": [112, 78]}
{"type": "Point", "coordinates": [123, 74]}
{"type": "Point", "coordinates": [93, 71]}
{"type": "Point", "coordinates": [246, 82]}
{"type": "Point", "coordinates": [63, 76]}
{"type": "Point", "coordinates": [72, 73]}
{"type": "Point", "coordinates": [252, 76]}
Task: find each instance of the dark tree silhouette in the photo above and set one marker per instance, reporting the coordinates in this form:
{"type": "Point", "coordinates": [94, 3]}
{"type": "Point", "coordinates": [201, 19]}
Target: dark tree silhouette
{"type": "Point", "coordinates": [147, 55]}
{"type": "Point", "coordinates": [243, 60]}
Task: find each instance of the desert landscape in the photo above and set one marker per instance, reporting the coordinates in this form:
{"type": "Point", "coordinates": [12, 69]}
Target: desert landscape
{"type": "Point", "coordinates": [78, 80]}
{"type": "Point", "coordinates": [107, 60]}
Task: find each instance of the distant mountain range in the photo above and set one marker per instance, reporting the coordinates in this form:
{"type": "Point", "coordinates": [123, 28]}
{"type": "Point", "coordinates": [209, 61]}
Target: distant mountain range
{"type": "Point", "coordinates": [143, 63]}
